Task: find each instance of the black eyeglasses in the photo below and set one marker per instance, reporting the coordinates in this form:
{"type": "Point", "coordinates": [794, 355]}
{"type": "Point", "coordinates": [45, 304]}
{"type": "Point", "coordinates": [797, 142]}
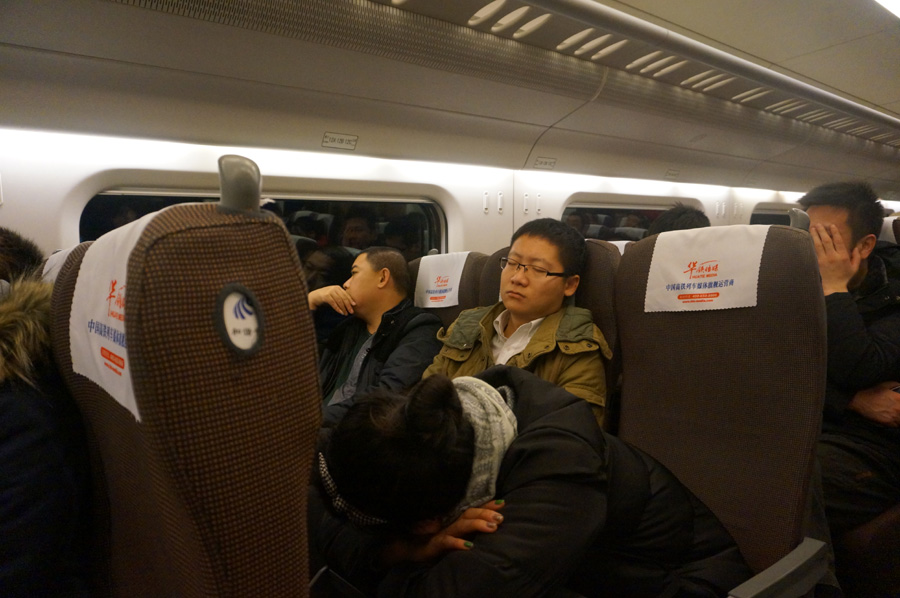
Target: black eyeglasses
{"type": "Point", "coordinates": [533, 271]}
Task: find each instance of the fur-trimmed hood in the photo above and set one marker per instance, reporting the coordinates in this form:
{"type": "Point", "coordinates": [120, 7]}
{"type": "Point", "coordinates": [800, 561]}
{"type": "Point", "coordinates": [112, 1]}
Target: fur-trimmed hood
{"type": "Point", "coordinates": [24, 330]}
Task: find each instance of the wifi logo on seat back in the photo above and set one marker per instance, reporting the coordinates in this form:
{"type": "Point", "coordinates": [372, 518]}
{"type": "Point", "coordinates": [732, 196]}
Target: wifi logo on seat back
{"type": "Point", "coordinates": [242, 310]}
{"type": "Point", "coordinates": [239, 318]}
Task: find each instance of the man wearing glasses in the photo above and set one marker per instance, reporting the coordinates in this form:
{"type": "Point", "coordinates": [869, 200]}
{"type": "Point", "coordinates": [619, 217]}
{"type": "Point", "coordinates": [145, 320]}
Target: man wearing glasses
{"type": "Point", "coordinates": [533, 327]}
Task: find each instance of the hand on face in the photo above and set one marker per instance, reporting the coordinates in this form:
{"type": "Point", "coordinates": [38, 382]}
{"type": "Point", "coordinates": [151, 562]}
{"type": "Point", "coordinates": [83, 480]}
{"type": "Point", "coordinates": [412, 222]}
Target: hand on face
{"type": "Point", "coordinates": [431, 544]}
{"type": "Point", "coordinates": [837, 264]}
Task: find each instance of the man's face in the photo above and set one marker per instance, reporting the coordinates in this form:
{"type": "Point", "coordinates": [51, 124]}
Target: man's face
{"type": "Point", "coordinates": [827, 215]}
{"type": "Point", "coordinates": [357, 234]}
{"type": "Point", "coordinates": [363, 282]}
{"type": "Point", "coordinates": [575, 222]}
{"type": "Point", "coordinates": [528, 296]}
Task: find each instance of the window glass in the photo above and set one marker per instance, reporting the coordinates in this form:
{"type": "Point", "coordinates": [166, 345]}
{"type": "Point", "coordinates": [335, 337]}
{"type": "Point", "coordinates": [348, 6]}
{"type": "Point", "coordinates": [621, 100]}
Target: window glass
{"type": "Point", "coordinates": [770, 217]}
{"type": "Point", "coordinates": [611, 224]}
{"type": "Point", "coordinates": [328, 232]}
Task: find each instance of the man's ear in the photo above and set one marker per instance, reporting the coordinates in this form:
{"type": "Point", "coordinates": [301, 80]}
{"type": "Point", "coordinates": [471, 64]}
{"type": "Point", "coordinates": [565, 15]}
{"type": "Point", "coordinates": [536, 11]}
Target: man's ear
{"type": "Point", "coordinates": [571, 285]}
{"type": "Point", "coordinates": [867, 245]}
{"type": "Point", "coordinates": [384, 278]}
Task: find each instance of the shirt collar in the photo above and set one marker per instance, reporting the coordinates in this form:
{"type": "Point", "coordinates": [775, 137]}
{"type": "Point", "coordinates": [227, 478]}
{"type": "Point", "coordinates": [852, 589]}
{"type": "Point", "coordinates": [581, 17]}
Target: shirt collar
{"type": "Point", "coordinates": [502, 320]}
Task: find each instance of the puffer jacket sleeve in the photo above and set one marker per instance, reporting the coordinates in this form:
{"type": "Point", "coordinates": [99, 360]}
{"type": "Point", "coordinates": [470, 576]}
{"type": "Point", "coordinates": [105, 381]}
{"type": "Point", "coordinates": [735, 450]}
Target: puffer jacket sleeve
{"type": "Point", "coordinates": [415, 352]}
{"type": "Point", "coordinates": [554, 485]}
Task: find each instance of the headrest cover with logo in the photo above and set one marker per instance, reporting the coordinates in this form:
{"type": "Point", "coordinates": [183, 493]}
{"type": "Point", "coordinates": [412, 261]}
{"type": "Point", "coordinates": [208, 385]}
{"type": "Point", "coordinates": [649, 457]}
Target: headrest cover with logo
{"type": "Point", "coordinates": [705, 268]}
{"type": "Point", "coordinates": [97, 320]}
{"type": "Point", "coordinates": [437, 284]}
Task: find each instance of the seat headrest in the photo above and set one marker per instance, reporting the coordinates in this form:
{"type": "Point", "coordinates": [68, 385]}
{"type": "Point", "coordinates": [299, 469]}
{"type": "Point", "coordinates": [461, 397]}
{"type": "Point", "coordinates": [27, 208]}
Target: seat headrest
{"type": "Point", "coordinates": [705, 268]}
{"type": "Point", "coordinates": [438, 279]}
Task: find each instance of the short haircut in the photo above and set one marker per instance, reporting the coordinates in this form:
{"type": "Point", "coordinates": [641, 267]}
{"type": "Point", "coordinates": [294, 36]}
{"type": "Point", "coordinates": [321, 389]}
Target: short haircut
{"type": "Point", "coordinates": [865, 212]}
{"type": "Point", "coordinates": [680, 217]}
{"type": "Point", "coordinates": [404, 228]}
{"type": "Point", "coordinates": [19, 257]}
{"type": "Point", "coordinates": [582, 216]}
{"type": "Point", "coordinates": [568, 241]}
{"type": "Point", "coordinates": [393, 260]}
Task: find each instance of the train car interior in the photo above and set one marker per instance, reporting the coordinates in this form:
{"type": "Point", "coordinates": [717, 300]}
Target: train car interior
{"type": "Point", "coordinates": [441, 127]}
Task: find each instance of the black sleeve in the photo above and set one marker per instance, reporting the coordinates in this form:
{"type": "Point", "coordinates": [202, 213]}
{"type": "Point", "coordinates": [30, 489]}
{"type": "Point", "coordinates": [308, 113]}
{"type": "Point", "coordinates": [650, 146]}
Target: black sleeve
{"type": "Point", "coordinates": [412, 355]}
{"type": "Point", "coordinates": [550, 519]}
{"type": "Point", "coordinates": [860, 356]}
{"type": "Point", "coordinates": [37, 496]}
{"type": "Point", "coordinates": [351, 552]}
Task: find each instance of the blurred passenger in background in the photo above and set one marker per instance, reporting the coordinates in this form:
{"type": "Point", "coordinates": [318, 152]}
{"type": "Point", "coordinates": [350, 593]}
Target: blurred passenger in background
{"type": "Point", "coordinates": [680, 217]}
{"type": "Point", "coordinates": [387, 343]}
{"type": "Point", "coordinates": [360, 228]}
{"type": "Point", "coordinates": [580, 221]}
{"type": "Point", "coordinates": [44, 470]}
{"type": "Point", "coordinates": [405, 235]}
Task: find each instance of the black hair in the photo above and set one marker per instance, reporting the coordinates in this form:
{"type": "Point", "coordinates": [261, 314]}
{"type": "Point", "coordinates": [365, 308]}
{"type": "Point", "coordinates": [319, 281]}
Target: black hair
{"type": "Point", "coordinates": [363, 213]}
{"type": "Point", "coordinates": [680, 217]}
{"type": "Point", "coordinates": [865, 212]}
{"type": "Point", "coordinates": [568, 241]}
{"type": "Point", "coordinates": [19, 257]}
{"type": "Point", "coordinates": [404, 459]}
{"type": "Point", "coordinates": [393, 260]}
{"type": "Point", "coordinates": [405, 228]}
{"type": "Point", "coordinates": [582, 216]}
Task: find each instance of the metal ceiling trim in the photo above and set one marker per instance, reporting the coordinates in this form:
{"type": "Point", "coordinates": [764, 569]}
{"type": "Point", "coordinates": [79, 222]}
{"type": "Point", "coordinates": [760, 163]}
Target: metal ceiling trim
{"type": "Point", "coordinates": [594, 14]}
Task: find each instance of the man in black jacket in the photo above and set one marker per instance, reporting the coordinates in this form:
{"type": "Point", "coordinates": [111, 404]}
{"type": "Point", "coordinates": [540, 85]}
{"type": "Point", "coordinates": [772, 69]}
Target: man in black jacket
{"type": "Point", "coordinates": [387, 344]}
{"type": "Point", "coordinates": [860, 445]}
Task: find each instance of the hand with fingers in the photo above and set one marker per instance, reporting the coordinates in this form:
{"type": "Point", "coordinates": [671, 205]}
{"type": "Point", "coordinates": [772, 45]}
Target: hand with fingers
{"type": "Point", "coordinates": [881, 404]}
{"type": "Point", "coordinates": [837, 264]}
{"type": "Point", "coordinates": [335, 296]}
{"type": "Point", "coordinates": [484, 519]}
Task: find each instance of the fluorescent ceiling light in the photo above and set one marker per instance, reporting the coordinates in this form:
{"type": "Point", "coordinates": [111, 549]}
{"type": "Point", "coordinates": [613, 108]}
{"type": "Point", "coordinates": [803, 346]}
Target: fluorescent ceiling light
{"type": "Point", "coordinates": [891, 5]}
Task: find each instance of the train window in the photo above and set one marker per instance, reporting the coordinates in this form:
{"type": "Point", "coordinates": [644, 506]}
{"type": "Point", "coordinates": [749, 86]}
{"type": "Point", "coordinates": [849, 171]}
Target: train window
{"type": "Point", "coordinates": [611, 223]}
{"type": "Point", "coordinates": [329, 232]}
{"type": "Point", "coordinates": [771, 214]}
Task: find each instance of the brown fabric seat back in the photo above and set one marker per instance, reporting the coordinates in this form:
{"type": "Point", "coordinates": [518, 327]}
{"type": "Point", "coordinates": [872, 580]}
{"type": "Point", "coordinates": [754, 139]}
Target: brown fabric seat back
{"type": "Point", "coordinates": [731, 400]}
{"type": "Point", "coordinates": [468, 288]}
{"type": "Point", "coordinates": [206, 494]}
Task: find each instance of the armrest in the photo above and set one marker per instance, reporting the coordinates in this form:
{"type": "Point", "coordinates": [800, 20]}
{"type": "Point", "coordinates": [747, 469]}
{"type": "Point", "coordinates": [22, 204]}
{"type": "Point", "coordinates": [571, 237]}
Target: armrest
{"type": "Point", "coordinates": [792, 576]}
{"type": "Point", "coordinates": [327, 583]}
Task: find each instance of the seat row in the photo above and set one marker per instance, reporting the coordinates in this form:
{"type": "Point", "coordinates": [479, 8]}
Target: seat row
{"type": "Point", "coordinates": [201, 473]}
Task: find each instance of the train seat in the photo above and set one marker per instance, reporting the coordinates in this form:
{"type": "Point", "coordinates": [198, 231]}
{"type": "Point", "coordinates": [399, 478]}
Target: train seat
{"type": "Point", "coordinates": [595, 293]}
{"type": "Point", "coordinates": [201, 464]}
{"type": "Point", "coordinates": [868, 558]}
{"type": "Point", "coordinates": [469, 279]}
{"type": "Point", "coordinates": [895, 228]}
{"type": "Point", "coordinates": [730, 400]}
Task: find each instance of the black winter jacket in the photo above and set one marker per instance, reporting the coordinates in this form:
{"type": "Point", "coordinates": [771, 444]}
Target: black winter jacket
{"type": "Point", "coordinates": [44, 469]}
{"type": "Point", "coordinates": [864, 348]}
{"type": "Point", "coordinates": [584, 512]}
{"type": "Point", "coordinates": [403, 346]}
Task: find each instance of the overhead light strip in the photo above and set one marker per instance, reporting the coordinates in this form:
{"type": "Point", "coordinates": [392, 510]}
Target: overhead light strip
{"type": "Point", "coordinates": [595, 14]}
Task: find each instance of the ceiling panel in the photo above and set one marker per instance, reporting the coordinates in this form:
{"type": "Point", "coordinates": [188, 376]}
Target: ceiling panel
{"type": "Point", "coordinates": [851, 46]}
{"type": "Point", "coordinates": [868, 67]}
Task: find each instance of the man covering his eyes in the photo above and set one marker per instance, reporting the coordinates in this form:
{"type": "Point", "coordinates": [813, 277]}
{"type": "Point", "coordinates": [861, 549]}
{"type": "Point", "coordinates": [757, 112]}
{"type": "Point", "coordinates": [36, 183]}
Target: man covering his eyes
{"type": "Point", "coordinates": [532, 327]}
